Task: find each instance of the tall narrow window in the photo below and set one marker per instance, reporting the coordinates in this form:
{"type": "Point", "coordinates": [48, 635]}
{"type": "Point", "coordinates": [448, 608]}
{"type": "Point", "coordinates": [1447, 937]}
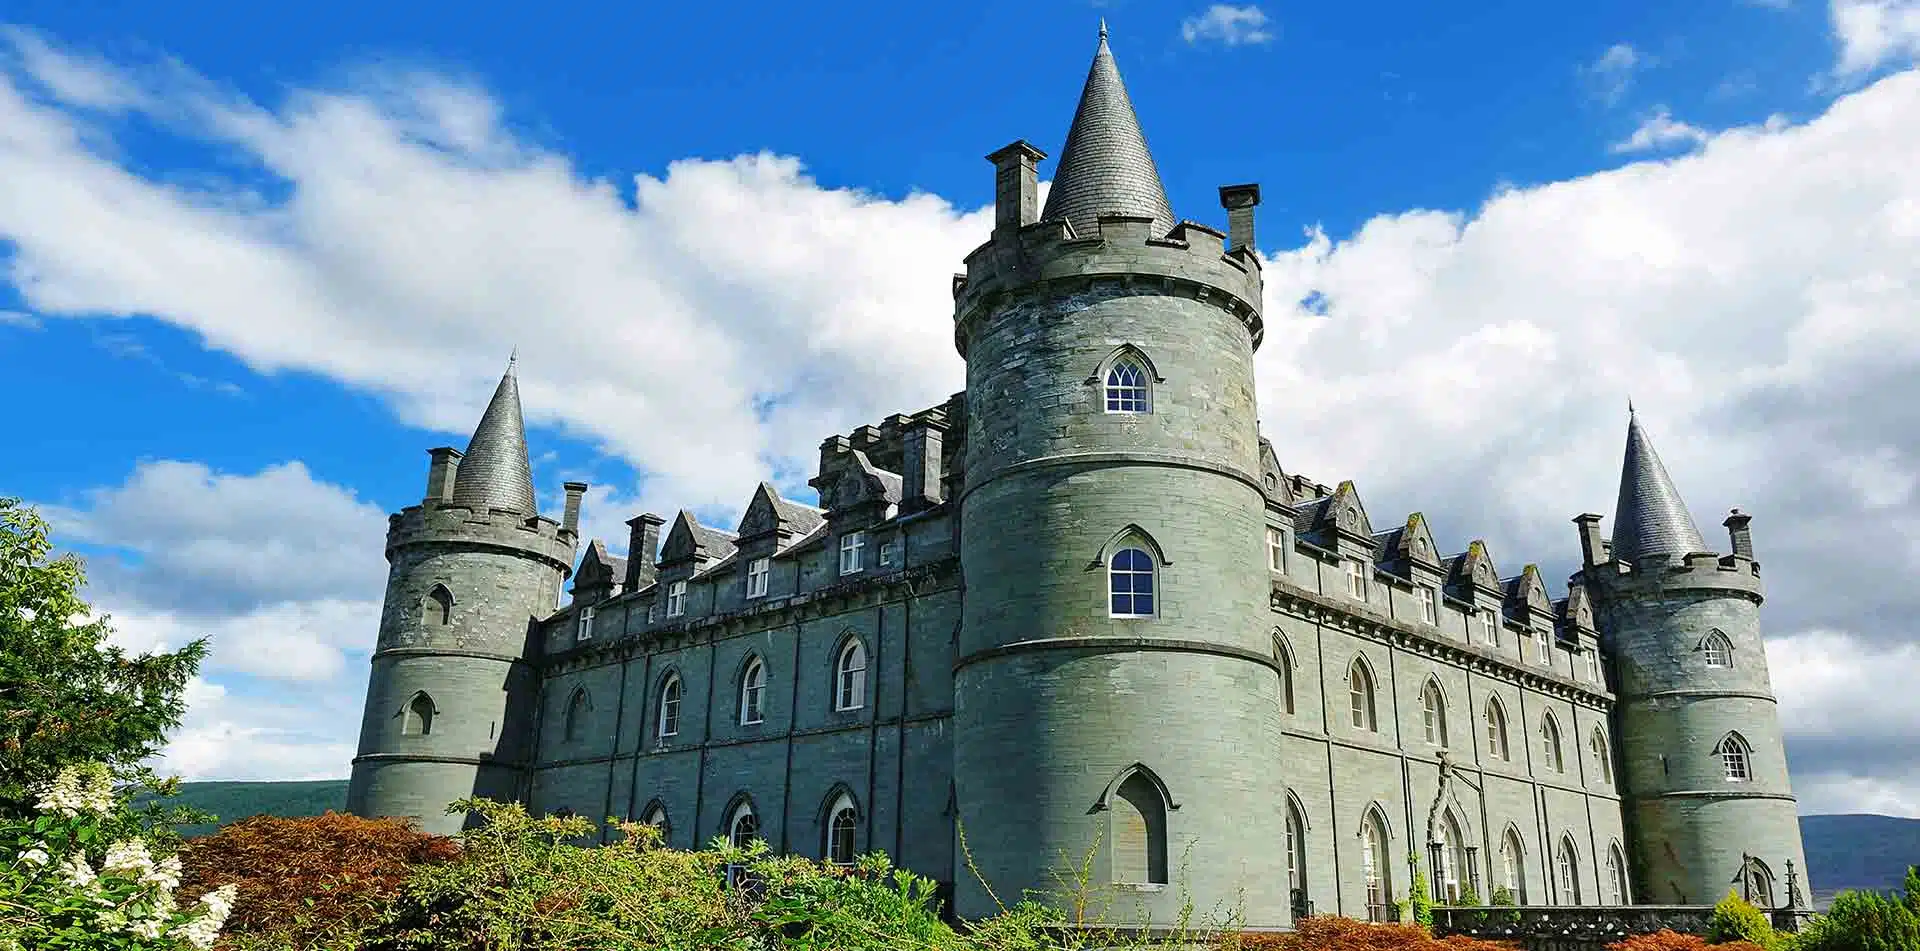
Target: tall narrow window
{"type": "Point", "coordinates": [1735, 758]}
{"type": "Point", "coordinates": [889, 554]}
{"type": "Point", "coordinates": [1360, 695]}
{"type": "Point", "coordinates": [1276, 550]}
{"type": "Point", "coordinates": [1617, 891]}
{"type": "Point", "coordinates": [1550, 744]}
{"type": "Point", "coordinates": [742, 827]}
{"type": "Point", "coordinates": [676, 598]}
{"type": "Point", "coordinates": [1757, 884]}
{"type": "Point", "coordinates": [753, 690]}
{"type": "Point", "coordinates": [1356, 580]}
{"type": "Point", "coordinates": [1569, 863]}
{"type": "Point", "coordinates": [841, 826]}
{"type": "Point", "coordinates": [1593, 665]}
{"type": "Point", "coordinates": [1718, 650]}
{"type": "Point", "coordinates": [1127, 387]}
{"type": "Point", "coordinates": [853, 545]}
{"type": "Point", "coordinates": [1285, 662]}
{"type": "Point", "coordinates": [1429, 609]}
{"type": "Point", "coordinates": [850, 677]}
{"type": "Point", "coordinates": [1433, 714]}
{"type": "Point", "coordinates": [417, 719]}
{"type": "Point", "coordinates": [657, 817]}
{"type": "Point", "coordinates": [1602, 757]}
{"type": "Point", "coordinates": [1453, 860]}
{"type": "Point", "coordinates": [438, 608]}
{"type": "Point", "coordinates": [669, 718]}
{"type": "Point", "coordinates": [1139, 832]}
{"type": "Point", "coordinates": [757, 571]}
{"type": "Point", "coordinates": [1542, 646]}
{"type": "Point", "coordinates": [1489, 627]}
{"type": "Point", "coordinates": [576, 719]}
{"type": "Point", "coordinates": [1374, 868]}
{"type": "Point", "coordinates": [1296, 860]}
{"type": "Point", "coordinates": [1130, 583]}
{"type": "Point", "coordinates": [653, 611]}
{"type": "Point", "coordinates": [1513, 866]}
{"type": "Point", "coordinates": [1497, 730]}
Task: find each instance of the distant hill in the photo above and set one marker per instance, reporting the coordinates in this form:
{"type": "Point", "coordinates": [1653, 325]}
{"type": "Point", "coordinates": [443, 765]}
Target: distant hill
{"type": "Point", "coordinates": [234, 801]}
{"type": "Point", "coordinates": [1859, 851]}
{"type": "Point", "coordinates": [1844, 851]}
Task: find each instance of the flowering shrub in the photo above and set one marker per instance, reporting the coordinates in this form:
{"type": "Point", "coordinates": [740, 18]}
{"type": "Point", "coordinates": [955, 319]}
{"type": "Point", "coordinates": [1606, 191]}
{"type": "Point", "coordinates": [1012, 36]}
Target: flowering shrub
{"type": "Point", "coordinates": [53, 896]}
{"type": "Point", "coordinates": [1335, 933]}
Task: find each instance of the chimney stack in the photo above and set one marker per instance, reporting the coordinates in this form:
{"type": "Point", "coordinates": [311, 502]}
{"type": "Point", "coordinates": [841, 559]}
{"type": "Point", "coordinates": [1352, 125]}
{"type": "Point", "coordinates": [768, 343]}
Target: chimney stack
{"type": "Point", "coordinates": [921, 481]}
{"type": "Point", "coordinates": [570, 517]}
{"type": "Point", "coordinates": [441, 473]}
{"type": "Point", "coordinates": [1239, 201]}
{"type": "Point", "coordinates": [1739, 534]}
{"type": "Point", "coordinates": [643, 546]}
{"type": "Point", "coordinates": [1016, 187]}
{"type": "Point", "coordinates": [1593, 548]}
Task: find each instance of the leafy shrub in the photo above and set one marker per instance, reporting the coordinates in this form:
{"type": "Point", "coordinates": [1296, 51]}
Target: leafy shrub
{"type": "Point", "coordinates": [1863, 921]}
{"type": "Point", "coordinates": [1735, 920]}
{"type": "Point", "coordinates": [1468, 897]}
{"type": "Point", "coordinates": [1421, 902]}
{"type": "Point", "coordinates": [1335, 933]}
{"type": "Point", "coordinates": [1502, 895]}
{"type": "Point", "coordinates": [311, 881]}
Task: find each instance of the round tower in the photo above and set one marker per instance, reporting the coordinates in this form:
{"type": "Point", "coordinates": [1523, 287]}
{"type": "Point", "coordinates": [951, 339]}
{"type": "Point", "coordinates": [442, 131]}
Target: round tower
{"type": "Point", "coordinates": [1707, 803]}
{"type": "Point", "coordinates": [450, 696]}
{"type": "Point", "coordinates": [1116, 693]}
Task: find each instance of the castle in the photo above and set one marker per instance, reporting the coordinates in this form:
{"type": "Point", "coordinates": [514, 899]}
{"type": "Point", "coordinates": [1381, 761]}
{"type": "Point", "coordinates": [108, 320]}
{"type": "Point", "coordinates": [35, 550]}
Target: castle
{"type": "Point", "coordinates": [1080, 609]}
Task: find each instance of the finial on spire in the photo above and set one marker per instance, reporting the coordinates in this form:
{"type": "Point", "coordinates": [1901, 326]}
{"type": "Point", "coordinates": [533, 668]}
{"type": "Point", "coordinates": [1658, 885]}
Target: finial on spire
{"type": "Point", "coordinates": [1103, 28]}
{"type": "Point", "coordinates": [1629, 406]}
{"type": "Point", "coordinates": [513, 357]}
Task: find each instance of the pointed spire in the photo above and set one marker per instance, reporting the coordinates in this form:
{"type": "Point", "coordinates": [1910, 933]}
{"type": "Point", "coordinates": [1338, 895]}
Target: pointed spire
{"type": "Point", "coordinates": [1105, 168]}
{"type": "Point", "coordinates": [495, 472]}
{"type": "Point", "coordinates": [1650, 518]}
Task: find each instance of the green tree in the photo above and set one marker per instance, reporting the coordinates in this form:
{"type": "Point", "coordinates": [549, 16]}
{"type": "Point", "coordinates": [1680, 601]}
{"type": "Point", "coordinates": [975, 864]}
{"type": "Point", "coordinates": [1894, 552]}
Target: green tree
{"type": "Point", "coordinates": [68, 696]}
{"type": "Point", "coordinates": [1862, 921]}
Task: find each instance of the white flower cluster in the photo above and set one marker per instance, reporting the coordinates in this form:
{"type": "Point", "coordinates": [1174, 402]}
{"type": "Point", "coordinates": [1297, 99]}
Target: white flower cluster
{"type": "Point", "coordinates": [130, 859]}
{"type": "Point", "coordinates": [202, 931]}
{"type": "Point", "coordinates": [77, 791]}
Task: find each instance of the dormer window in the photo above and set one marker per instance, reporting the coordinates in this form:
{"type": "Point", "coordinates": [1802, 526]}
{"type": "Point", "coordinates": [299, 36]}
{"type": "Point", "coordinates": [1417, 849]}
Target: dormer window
{"type": "Point", "coordinates": [1429, 611]}
{"type": "Point", "coordinates": [1593, 665]}
{"type": "Point", "coordinates": [586, 625]}
{"type": "Point", "coordinates": [1127, 387]}
{"type": "Point", "coordinates": [889, 554]}
{"type": "Point", "coordinates": [1489, 627]}
{"type": "Point", "coordinates": [653, 611]}
{"type": "Point", "coordinates": [1276, 551]}
{"type": "Point", "coordinates": [757, 571]}
{"type": "Point", "coordinates": [853, 547]}
{"type": "Point", "coordinates": [676, 599]}
{"type": "Point", "coordinates": [1356, 580]}
{"type": "Point", "coordinates": [1542, 646]}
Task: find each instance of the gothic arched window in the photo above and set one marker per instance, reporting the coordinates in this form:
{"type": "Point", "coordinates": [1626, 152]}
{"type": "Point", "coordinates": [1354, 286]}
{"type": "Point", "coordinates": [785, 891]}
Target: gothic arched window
{"type": "Point", "coordinates": [576, 719]}
{"type": "Point", "coordinates": [1433, 713]}
{"type": "Point", "coordinates": [1130, 578]}
{"type": "Point", "coordinates": [417, 719]}
{"type": "Point", "coordinates": [1735, 758]}
{"type": "Point", "coordinates": [1376, 868]}
{"type": "Point", "coordinates": [1617, 891]}
{"type": "Point", "coordinates": [841, 829]}
{"type": "Point", "coordinates": [438, 607]}
{"type": "Point", "coordinates": [1127, 389]}
{"type": "Point", "coordinates": [1550, 751]}
{"type": "Point", "coordinates": [1718, 650]}
{"type": "Point", "coordinates": [1497, 730]}
{"type": "Point", "coordinates": [1283, 659]}
{"type": "Point", "coordinates": [669, 713]}
{"type": "Point", "coordinates": [850, 676]}
{"type": "Point", "coordinates": [753, 690]}
{"type": "Point", "coordinates": [1569, 862]}
{"type": "Point", "coordinates": [743, 826]}
{"type": "Point", "coordinates": [1513, 866]}
{"type": "Point", "coordinates": [656, 816]}
{"type": "Point", "coordinates": [1360, 697]}
{"type": "Point", "coordinates": [1454, 868]}
{"type": "Point", "coordinates": [1296, 858]}
{"type": "Point", "coordinates": [1139, 831]}
{"type": "Point", "coordinates": [1602, 757]}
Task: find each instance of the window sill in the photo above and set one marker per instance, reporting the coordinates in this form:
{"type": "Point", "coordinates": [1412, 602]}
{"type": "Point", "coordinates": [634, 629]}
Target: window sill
{"type": "Point", "coordinates": [1140, 887]}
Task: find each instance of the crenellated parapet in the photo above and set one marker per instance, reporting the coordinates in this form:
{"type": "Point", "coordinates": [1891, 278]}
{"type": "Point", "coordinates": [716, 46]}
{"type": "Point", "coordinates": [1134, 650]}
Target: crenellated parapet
{"type": "Point", "coordinates": [445, 523]}
{"type": "Point", "coordinates": [1047, 259]}
{"type": "Point", "coordinates": [1655, 575]}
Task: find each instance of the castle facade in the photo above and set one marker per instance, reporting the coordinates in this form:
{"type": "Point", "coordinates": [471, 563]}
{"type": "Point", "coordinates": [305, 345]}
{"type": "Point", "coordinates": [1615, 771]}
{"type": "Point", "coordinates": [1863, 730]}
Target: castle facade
{"type": "Point", "coordinates": [1080, 610]}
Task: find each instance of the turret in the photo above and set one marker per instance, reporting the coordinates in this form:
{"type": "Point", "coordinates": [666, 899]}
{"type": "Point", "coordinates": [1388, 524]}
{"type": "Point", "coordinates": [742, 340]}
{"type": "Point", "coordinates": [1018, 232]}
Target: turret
{"type": "Point", "coordinates": [1112, 542]}
{"type": "Point", "coordinates": [450, 694]}
{"type": "Point", "coordinates": [1706, 799]}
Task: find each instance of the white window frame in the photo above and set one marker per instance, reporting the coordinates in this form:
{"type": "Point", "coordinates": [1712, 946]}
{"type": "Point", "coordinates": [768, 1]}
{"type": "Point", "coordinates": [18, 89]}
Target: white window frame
{"type": "Point", "coordinates": [676, 598]}
{"type": "Point", "coordinates": [667, 711]}
{"type": "Point", "coordinates": [1433, 714]}
{"type": "Point", "coordinates": [1543, 646]}
{"type": "Point", "coordinates": [888, 553]}
{"type": "Point", "coordinates": [1276, 550]}
{"type": "Point", "coordinates": [1132, 593]}
{"type": "Point", "coordinates": [1602, 755]}
{"type": "Point", "coordinates": [585, 630]}
{"type": "Point", "coordinates": [842, 808]}
{"type": "Point", "coordinates": [1496, 720]}
{"type": "Point", "coordinates": [1429, 602]}
{"type": "Point", "coordinates": [853, 548]}
{"type": "Point", "coordinates": [1718, 649]}
{"type": "Point", "coordinates": [1356, 579]}
{"type": "Point", "coordinates": [1736, 759]}
{"type": "Point", "coordinates": [1489, 623]}
{"type": "Point", "coordinates": [1593, 665]}
{"type": "Point", "coordinates": [850, 676]}
{"type": "Point", "coordinates": [1552, 743]}
{"type": "Point", "coordinates": [758, 571]}
{"type": "Point", "coordinates": [1127, 388]}
{"type": "Point", "coordinates": [653, 611]}
{"type": "Point", "coordinates": [753, 693]}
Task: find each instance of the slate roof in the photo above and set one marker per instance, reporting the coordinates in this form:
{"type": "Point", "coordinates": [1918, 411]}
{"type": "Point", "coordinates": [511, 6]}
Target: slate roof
{"type": "Point", "coordinates": [1105, 168]}
{"type": "Point", "coordinates": [496, 472]}
{"type": "Point", "coordinates": [1650, 518]}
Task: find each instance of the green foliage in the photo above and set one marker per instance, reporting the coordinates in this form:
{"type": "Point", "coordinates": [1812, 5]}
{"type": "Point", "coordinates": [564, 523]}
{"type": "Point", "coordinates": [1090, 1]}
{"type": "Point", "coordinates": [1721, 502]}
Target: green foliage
{"type": "Point", "coordinates": [1733, 919]}
{"type": "Point", "coordinates": [1863, 921]}
{"type": "Point", "coordinates": [1468, 896]}
{"type": "Point", "coordinates": [1502, 895]}
{"type": "Point", "coordinates": [233, 801]}
{"type": "Point", "coordinates": [1421, 902]}
{"type": "Point", "coordinates": [66, 695]}
{"type": "Point", "coordinates": [1913, 888]}
{"type": "Point", "coordinates": [869, 907]}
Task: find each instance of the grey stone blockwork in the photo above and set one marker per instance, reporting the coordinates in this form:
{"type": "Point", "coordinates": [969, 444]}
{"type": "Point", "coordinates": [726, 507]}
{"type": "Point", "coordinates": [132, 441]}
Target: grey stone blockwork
{"type": "Point", "coordinates": [962, 554]}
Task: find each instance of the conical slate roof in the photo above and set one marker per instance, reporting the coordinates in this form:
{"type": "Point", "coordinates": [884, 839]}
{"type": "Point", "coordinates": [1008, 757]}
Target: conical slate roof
{"type": "Point", "coordinates": [495, 472]}
{"type": "Point", "coordinates": [1650, 518]}
{"type": "Point", "coordinates": [1105, 168]}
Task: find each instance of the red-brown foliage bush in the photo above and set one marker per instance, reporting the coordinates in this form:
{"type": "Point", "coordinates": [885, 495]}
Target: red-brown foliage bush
{"type": "Point", "coordinates": [1666, 940]}
{"type": "Point", "coordinates": [303, 878]}
{"type": "Point", "coordinates": [1335, 933]}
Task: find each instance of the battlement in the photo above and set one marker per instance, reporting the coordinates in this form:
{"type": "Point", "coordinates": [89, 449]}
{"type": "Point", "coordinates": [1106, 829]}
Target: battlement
{"type": "Point", "coordinates": [1048, 257]}
{"type": "Point", "coordinates": [436, 523]}
{"type": "Point", "coordinates": [1707, 571]}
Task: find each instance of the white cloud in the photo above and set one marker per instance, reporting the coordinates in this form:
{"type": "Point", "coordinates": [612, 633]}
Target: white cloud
{"type": "Point", "coordinates": [16, 318]}
{"type": "Point", "coordinates": [1874, 33]}
{"type": "Point", "coordinates": [259, 737]}
{"type": "Point", "coordinates": [1229, 25]}
{"type": "Point", "coordinates": [1609, 76]}
{"type": "Point", "coordinates": [1661, 131]}
{"type": "Point", "coordinates": [1852, 721]}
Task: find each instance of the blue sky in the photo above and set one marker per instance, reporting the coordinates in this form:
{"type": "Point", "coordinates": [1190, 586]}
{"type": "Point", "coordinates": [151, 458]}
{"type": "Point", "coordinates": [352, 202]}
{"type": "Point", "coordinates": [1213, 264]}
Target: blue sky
{"type": "Point", "coordinates": [254, 260]}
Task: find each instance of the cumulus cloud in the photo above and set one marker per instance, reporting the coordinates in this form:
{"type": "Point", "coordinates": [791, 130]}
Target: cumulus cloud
{"type": "Point", "coordinates": [1754, 296]}
{"type": "Point", "coordinates": [1610, 75]}
{"type": "Point", "coordinates": [1874, 33]}
{"type": "Point", "coordinates": [1660, 132]}
{"type": "Point", "coordinates": [1228, 25]}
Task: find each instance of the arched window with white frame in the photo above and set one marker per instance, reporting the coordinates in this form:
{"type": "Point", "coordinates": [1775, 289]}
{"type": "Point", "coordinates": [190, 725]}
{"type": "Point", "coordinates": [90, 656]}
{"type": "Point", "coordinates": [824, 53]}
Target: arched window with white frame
{"type": "Point", "coordinates": [1736, 758]}
{"type": "Point", "coordinates": [1513, 866]}
{"type": "Point", "coordinates": [1296, 858]}
{"type": "Point", "coordinates": [1569, 865]}
{"type": "Point", "coordinates": [417, 718]}
{"type": "Point", "coordinates": [1717, 648]}
{"type": "Point", "coordinates": [1496, 717]}
{"type": "Point", "coordinates": [753, 692]}
{"type": "Point", "coordinates": [850, 676]}
{"type": "Point", "coordinates": [1130, 583]}
{"type": "Point", "coordinates": [1551, 752]}
{"type": "Point", "coordinates": [1617, 891]}
{"type": "Point", "coordinates": [1433, 714]}
{"type": "Point", "coordinates": [1455, 871]}
{"type": "Point", "coordinates": [1360, 697]}
{"type": "Point", "coordinates": [1376, 867]}
{"type": "Point", "coordinates": [1602, 755]}
{"type": "Point", "coordinates": [743, 826]}
{"type": "Point", "coordinates": [656, 816]}
{"type": "Point", "coordinates": [667, 717]}
{"type": "Point", "coordinates": [841, 831]}
{"type": "Point", "coordinates": [1129, 386]}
